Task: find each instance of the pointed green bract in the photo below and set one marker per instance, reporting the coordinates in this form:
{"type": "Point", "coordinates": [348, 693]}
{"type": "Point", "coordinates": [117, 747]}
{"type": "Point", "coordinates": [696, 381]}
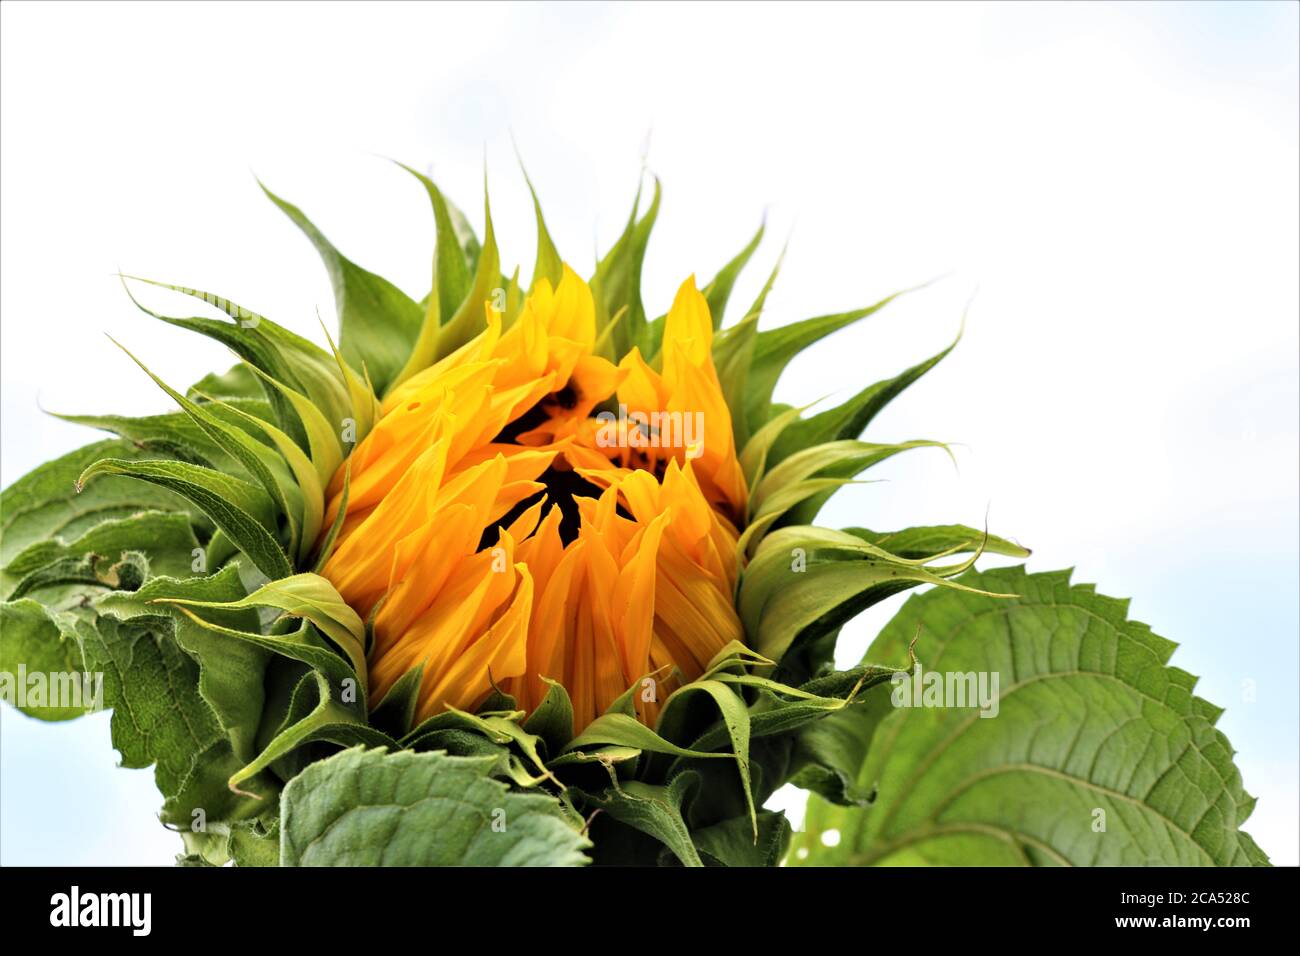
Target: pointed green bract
{"type": "Point", "coordinates": [773, 350]}
{"type": "Point", "coordinates": [804, 582]}
{"type": "Point", "coordinates": [378, 323]}
{"type": "Point", "coordinates": [548, 265]}
{"type": "Point", "coordinates": [617, 281]}
{"type": "Point", "coordinates": [718, 292]}
{"type": "Point", "coordinates": [470, 317]}
{"type": "Point", "coordinates": [451, 282]}
{"type": "Point", "coordinates": [849, 419]}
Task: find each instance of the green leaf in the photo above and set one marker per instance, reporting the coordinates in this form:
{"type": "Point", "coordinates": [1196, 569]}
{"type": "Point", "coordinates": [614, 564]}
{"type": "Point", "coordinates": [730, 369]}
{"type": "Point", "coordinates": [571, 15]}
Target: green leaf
{"type": "Point", "coordinates": [241, 335]}
{"type": "Point", "coordinates": [395, 714]}
{"type": "Point", "coordinates": [32, 643]}
{"type": "Point", "coordinates": [733, 353]}
{"type": "Point", "coordinates": [834, 464]}
{"type": "Point", "coordinates": [172, 435]}
{"type": "Point", "coordinates": [324, 440]}
{"type": "Point", "coordinates": [331, 535]}
{"type": "Point", "coordinates": [451, 282]}
{"type": "Point", "coordinates": [774, 349]}
{"type": "Point", "coordinates": [1099, 753]}
{"type": "Point", "coordinates": [338, 713]}
{"type": "Point", "coordinates": [780, 709]}
{"type": "Point", "coordinates": [371, 808]}
{"type": "Point", "coordinates": [753, 455]}
{"type": "Point", "coordinates": [653, 809]}
{"type": "Point", "coordinates": [285, 359]}
{"type": "Point", "coordinates": [160, 718]}
{"type": "Point", "coordinates": [548, 265]}
{"type": "Point", "coordinates": [239, 509]}
{"type": "Point", "coordinates": [230, 673]}
{"type": "Point", "coordinates": [167, 536]}
{"type": "Point", "coordinates": [44, 506]}
{"type": "Point", "coordinates": [734, 717]}
{"type": "Point", "coordinates": [828, 753]}
{"type": "Point", "coordinates": [254, 842]}
{"type": "Point", "coordinates": [258, 460]}
{"type": "Point", "coordinates": [237, 383]}
{"type": "Point", "coordinates": [731, 842]}
{"type": "Point", "coordinates": [552, 719]}
{"type": "Point", "coordinates": [624, 730]}
{"type": "Point", "coordinates": [310, 490]}
{"type": "Point", "coordinates": [83, 574]}
{"type": "Point", "coordinates": [378, 323]}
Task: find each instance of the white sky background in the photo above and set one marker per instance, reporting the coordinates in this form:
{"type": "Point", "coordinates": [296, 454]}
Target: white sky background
{"type": "Point", "coordinates": [1119, 182]}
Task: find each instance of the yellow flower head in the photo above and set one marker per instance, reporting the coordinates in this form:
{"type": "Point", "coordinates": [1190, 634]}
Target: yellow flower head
{"type": "Point", "coordinates": [525, 510]}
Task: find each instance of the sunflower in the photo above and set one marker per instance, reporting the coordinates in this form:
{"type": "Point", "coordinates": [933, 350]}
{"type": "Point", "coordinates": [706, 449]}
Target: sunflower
{"type": "Point", "coordinates": [528, 527]}
{"type": "Point", "coordinates": [496, 534]}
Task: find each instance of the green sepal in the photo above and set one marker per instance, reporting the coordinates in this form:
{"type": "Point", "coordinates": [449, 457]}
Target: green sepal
{"type": "Point", "coordinates": [470, 318]}
{"type": "Point", "coordinates": [805, 582]}
{"type": "Point", "coordinates": [850, 419]}
{"type": "Point", "coordinates": [378, 323]}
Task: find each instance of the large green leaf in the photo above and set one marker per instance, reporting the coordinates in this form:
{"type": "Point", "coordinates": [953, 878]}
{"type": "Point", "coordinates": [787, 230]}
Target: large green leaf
{"type": "Point", "coordinates": [168, 537]}
{"type": "Point", "coordinates": [372, 808]}
{"type": "Point", "coordinates": [230, 672]}
{"type": "Point", "coordinates": [159, 716]}
{"type": "Point", "coordinates": [32, 643]}
{"type": "Point", "coordinates": [1099, 753]}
